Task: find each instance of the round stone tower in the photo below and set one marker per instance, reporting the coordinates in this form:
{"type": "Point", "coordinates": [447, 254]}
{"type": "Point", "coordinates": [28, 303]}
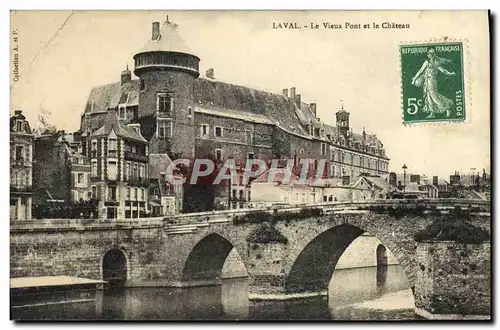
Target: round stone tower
{"type": "Point", "coordinates": [167, 70]}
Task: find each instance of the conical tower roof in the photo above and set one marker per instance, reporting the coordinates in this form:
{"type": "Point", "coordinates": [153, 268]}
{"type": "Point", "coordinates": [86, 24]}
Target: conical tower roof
{"type": "Point", "coordinates": [166, 39]}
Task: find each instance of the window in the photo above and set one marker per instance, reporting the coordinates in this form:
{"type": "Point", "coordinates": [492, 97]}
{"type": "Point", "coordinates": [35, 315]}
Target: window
{"type": "Point", "coordinates": [218, 131]}
{"type": "Point", "coordinates": [128, 192]}
{"type": "Point", "coordinates": [112, 148]}
{"type": "Point", "coordinates": [190, 111]}
{"type": "Point", "coordinates": [323, 149]}
{"type": "Point", "coordinates": [122, 112]}
{"type": "Point", "coordinates": [112, 193]}
{"type": "Point", "coordinates": [164, 129]}
{"type": "Point", "coordinates": [218, 154]}
{"type": "Point", "coordinates": [141, 171]}
{"type": "Point", "coordinates": [250, 155]}
{"type": "Point", "coordinates": [112, 170]}
{"type": "Point", "coordinates": [164, 103]}
{"type": "Point", "coordinates": [134, 173]}
{"type": "Point", "coordinates": [248, 136]}
{"type": "Point", "coordinates": [342, 155]}
{"type": "Point", "coordinates": [204, 130]}
{"type": "Point", "coordinates": [143, 84]}
{"type": "Point", "coordinates": [94, 148]}
{"type": "Point", "coordinates": [111, 212]}
{"type": "Point", "coordinates": [301, 152]}
{"type": "Point", "coordinates": [127, 170]}
{"type": "Point", "coordinates": [19, 152]}
{"type": "Point", "coordinates": [19, 126]}
{"type": "Point", "coordinates": [139, 196]}
{"type": "Point", "coordinates": [135, 193]}
{"type": "Point", "coordinates": [80, 177]}
{"type": "Point", "coordinates": [93, 169]}
{"type": "Point", "coordinates": [94, 192]}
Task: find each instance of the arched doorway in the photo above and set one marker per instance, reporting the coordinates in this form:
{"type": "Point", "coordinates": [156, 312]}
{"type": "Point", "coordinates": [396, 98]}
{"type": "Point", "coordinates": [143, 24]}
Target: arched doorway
{"type": "Point", "coordinates": [114, 267]}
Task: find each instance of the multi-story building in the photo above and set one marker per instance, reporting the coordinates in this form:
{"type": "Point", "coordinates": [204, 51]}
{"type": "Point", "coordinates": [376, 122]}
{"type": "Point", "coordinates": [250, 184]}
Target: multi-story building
{"type": "Point", "coordinates": [118, 157]}
{"type": "Point", "coordinates": [21, 167]}
{"type": "Point", "coordinates": [165, 197]}
{"type": "Point", "coordinates": [61, 175]}
{"type": "Point", "coordinates": [184, 115]}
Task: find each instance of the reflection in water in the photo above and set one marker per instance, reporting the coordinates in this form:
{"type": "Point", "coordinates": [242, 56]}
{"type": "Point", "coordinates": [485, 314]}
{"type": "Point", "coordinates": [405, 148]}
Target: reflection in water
{"type": "Point", "coordinates": [350, 293]}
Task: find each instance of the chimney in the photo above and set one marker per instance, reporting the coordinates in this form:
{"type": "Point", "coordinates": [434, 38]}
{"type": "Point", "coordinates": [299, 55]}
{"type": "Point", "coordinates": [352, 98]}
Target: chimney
{"type": "Point", "coordinates": [126, 76]}
{"type": "Point", "coordinates": [18, 112]}
{"type": "Point", "coordinates": [313, 108]}
{"type": "Point", "coordinates": [297, 100]}
{"type": "Point", "coordinates": [156, 31]}
{"type": "Point", "coordinates": [285, 92]}
{"type": "Point", "coordinates": [210, 73]}
{"type": "Point", "coordinates": [435, 181]}
{"type": "Point", "coordinates": [292, 93]}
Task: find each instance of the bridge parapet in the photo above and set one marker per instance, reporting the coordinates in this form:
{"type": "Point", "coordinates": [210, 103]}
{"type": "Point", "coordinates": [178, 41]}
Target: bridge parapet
{"type": "Point", "coordinates": [228, 215]}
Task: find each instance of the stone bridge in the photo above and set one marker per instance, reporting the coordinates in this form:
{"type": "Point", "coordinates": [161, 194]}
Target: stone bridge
{"type": "Point", "coordinates": [190, 249]}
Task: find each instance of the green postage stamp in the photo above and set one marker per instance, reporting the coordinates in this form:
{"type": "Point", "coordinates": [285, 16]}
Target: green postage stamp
{"type": "Point", "coordinates": [433, 88]}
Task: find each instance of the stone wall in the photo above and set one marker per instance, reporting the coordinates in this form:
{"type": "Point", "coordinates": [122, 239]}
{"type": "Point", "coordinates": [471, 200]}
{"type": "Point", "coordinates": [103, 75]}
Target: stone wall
{"type": "Point", "coordinates": [362, 252]}
{"type": "Point", "coordinates": [453, 280]}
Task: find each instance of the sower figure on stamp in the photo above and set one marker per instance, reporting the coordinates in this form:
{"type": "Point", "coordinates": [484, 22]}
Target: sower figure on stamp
{"type": "Point", "coordinates": [426, 77]}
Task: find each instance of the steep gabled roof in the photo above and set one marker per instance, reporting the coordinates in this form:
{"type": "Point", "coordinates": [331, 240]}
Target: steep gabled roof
{"type": "Point", "coordinates": [169, 41]}
{"type": "Point", "coordinates": [108, 96]}
{"type": "Point", "coordinates": [111, 123]}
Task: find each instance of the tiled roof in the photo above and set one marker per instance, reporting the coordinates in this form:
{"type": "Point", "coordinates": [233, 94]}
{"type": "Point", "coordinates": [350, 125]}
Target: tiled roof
{"type": "Point", "coordinates": [169, 41]}
{"type": "Point", "coordinates": [158, 163]}
{"type": "Point", "coordinates": [379, 182]}
{"type": "Point", "coordinates": [110, 95]}
{"type": "Point", "coordinates": [275, 107]}
{"type": "Point", "coordinates": [111, 123]}
{"type": "Point", "coordinates": [224, 99]}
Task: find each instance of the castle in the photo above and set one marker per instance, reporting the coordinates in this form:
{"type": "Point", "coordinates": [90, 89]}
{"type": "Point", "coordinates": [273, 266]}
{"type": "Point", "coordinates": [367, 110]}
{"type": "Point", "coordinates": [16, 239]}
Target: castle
{"type": "Point", "coordinates": [171, 110]}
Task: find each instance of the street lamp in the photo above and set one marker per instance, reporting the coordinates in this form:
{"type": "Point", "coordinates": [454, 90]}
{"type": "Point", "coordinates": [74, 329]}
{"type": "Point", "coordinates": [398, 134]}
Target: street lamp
{"type": "Point", "coordinates": [404, 178]}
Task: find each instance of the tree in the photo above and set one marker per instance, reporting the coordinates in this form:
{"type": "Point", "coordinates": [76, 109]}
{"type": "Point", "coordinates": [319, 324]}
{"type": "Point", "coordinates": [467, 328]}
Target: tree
{"type": "Point", "coordinates": [43, 124]}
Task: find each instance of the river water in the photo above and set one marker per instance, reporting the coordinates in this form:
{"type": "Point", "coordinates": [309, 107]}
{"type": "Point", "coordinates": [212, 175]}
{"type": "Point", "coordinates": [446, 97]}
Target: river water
{"type": "Point", "coordinates": [354, 294]}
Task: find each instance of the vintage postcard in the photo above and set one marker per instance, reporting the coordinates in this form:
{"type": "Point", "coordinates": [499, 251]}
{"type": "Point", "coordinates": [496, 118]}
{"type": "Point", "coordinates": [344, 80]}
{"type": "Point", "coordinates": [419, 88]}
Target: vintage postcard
{"type": "Point", "coordinates": [246, 165]}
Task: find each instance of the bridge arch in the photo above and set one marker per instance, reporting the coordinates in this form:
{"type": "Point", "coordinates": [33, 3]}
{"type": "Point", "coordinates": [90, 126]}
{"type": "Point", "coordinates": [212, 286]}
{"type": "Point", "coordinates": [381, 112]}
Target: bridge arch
{"type": "Point", "coordinates": [313, 267]}
{"type": "Point", "coordinates": [206, 259]}
{"type": "Point", "coordinates": [115, 266]}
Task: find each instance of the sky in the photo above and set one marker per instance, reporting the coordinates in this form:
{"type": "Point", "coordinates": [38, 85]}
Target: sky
{"type": "Point", "coordinates": [59, 64]}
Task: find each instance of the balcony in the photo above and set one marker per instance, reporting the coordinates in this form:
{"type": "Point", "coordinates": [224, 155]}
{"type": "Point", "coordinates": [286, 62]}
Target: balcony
{"type": "Point", "coordinates": [18, 162]}
{"type": "Point", "coordinates": [112, 154]}
{"type": "Point", "coordinates": [137, 181]}
{"type": "Point", "coordinates": [135, 157]}
{"type": "Point", "coordinates": [22, 189]}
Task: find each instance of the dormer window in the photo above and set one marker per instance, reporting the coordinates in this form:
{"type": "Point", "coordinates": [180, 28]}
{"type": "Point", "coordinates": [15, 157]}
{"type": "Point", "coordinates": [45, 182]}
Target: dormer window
{"type": "Point", "coordinates": [122, 113]}
{"type": "Point", "coordinates": [19, 126]}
